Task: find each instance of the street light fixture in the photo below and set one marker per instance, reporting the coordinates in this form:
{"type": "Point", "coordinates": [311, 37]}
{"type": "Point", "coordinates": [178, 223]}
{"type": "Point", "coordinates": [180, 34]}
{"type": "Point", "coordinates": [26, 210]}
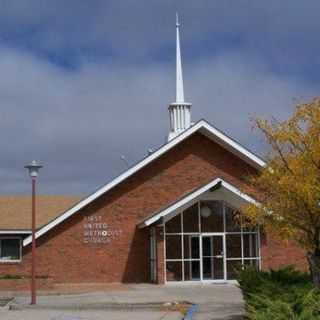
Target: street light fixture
{"type": "Point", "coordinates": [33, 169]}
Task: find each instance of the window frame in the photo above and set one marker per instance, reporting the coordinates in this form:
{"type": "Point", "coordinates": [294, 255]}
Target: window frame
{"type": "Point", "coordinates": [20, 249]}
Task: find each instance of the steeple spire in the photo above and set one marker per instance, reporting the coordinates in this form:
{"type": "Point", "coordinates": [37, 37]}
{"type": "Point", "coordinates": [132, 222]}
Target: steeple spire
{"type": "Point", "coordinates": [179, 111]}
{"type": "Point", "coordinates": [179, 77]}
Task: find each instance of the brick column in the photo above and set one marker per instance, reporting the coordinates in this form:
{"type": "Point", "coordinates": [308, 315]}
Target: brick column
{"type": "Point", "coordinates": [160, 255]}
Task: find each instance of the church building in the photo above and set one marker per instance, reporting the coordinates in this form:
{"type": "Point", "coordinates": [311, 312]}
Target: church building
{"type": "Point", "coordinates": [173, 217]}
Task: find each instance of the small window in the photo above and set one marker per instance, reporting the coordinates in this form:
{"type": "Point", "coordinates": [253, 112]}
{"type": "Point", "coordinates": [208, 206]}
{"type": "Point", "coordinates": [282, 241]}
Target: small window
{"type": "Point", "coordinates": [211, 213]}
{"type": "Point", "coordinates": [174, 225]}
{"type": "Point", "coordinates": [233, 220]}
{"type": "Point", "coordinates": [10, 250]}
{"type": "Point", "coordinates": [191, 219]}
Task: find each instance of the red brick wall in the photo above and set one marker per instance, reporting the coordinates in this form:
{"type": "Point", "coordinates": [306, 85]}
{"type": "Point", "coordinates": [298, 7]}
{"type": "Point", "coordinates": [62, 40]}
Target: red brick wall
{"type": "Point", "coordinates": [277, 253]}
{"type": "Point", "coordinates": [62, 255]}
{"type": "Point", "coordinates": [23, 284]}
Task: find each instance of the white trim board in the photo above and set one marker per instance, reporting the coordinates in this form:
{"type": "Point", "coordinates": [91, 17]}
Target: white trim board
{"type": "Point", "coordinates": [190, 197]}
{"type": "Point", "coordinates": [15, 232]}
{"type": "Point", "coordinates": [202, 126]}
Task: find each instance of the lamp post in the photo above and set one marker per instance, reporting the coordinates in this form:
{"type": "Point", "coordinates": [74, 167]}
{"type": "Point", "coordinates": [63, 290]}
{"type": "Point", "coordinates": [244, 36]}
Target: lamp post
{"type": "Point", "coordinates": [33, 169]}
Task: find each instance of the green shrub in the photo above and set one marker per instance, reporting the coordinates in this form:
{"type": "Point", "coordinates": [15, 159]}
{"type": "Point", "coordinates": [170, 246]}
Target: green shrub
{"type": "Point", "coordinates": [278, 310]}
{"type": "Point", "coordinates": [282, 294]}
{"type": "Point", "coordinates": [289, 275]}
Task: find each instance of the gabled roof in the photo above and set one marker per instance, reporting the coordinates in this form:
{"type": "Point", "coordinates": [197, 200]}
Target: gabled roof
{"type": "Point", "coordinates": [202, 126]}
{"type": "Point", "coordinates": [216, 183]}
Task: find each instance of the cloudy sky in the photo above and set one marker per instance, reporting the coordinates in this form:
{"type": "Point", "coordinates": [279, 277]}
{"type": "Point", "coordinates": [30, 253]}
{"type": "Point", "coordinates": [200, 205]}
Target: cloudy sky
{"type": "Point", "coordinates": [84, 82]}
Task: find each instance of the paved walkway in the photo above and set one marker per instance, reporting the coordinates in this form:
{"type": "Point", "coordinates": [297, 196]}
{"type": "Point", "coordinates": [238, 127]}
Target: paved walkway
{"type": "Point", "coordinates": [88, 315]}
{"type": "Point", "coordinates": [215, 301]}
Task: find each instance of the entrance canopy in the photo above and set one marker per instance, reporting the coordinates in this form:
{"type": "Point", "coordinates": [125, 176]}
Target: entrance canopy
{"type": "Point", "coordinates": [217, 189]}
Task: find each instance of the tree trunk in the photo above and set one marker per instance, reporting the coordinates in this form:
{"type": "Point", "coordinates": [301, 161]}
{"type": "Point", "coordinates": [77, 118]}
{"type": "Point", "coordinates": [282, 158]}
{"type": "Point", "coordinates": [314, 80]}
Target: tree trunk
{"type": "Point", "coordinates": [314, 265]}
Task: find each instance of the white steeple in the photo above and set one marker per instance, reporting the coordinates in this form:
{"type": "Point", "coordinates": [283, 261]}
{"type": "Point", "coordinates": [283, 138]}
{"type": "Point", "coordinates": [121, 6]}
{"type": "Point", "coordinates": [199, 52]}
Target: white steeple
{"type": "Point", "coordinates": [179, 77]}
{"type": "Point", "coordinates": [179, 111]}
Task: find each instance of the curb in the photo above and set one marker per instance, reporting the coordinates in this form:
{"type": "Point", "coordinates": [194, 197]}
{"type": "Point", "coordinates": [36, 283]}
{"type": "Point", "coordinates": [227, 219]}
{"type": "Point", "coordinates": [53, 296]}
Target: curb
{"type": "Point", "coordinates": [191, 311]}
{"type": "Point", "coordinates": [91, 306]}
{"type": "Point", "coordinates": [96, 306]}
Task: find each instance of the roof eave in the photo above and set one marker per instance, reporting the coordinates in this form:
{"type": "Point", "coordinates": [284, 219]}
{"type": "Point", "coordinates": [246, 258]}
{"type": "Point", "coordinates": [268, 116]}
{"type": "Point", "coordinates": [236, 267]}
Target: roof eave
{"type": "Point", "coordinates": [216, 183]}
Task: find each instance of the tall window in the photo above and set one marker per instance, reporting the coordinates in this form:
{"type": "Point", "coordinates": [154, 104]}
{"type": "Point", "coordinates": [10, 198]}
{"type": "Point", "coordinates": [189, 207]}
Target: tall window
{"type": "Point", "coordinates": [209, 241]}
{"type": "Point", "coordinates": [10, 250]}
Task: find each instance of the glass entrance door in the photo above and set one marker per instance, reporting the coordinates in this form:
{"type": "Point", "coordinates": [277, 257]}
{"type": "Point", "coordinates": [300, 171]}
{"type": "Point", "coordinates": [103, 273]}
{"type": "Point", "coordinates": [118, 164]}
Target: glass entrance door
{"type": "Point", "coordinates": [213, 257]}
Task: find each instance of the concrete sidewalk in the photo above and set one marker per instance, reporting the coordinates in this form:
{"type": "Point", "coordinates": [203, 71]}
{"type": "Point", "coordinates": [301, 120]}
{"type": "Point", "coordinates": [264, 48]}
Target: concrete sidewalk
{"type": "Point", "coordinates": [216, 301]}
{"type": "Point", "coordinates": [32, 314]}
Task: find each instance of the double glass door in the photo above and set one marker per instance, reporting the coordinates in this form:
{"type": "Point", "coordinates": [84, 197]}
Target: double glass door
{"type": "Point", "coordinates": [212, 257]}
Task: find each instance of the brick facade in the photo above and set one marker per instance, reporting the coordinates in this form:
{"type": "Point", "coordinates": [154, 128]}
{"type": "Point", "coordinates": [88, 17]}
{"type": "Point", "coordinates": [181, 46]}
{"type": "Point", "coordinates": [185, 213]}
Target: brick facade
{"type": "Point", "coordinates": [276, 254]}
{"type": "Point", "coordinates": [63, 257]}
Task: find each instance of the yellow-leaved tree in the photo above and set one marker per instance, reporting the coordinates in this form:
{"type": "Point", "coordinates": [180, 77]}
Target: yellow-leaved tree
{"type": "Point", "coordinates": [289, 185]}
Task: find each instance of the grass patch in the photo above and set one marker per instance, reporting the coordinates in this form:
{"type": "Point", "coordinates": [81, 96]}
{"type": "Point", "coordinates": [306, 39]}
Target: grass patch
{"type": "Point", "coordinates": [181, 307]}
{"type": "Point", "coordinates": [284, 294]}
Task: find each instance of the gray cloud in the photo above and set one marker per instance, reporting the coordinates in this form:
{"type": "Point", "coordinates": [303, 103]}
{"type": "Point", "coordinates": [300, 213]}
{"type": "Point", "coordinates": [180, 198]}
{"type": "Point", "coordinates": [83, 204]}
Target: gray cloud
{"type": "Point", "coordinates": [284, 32]}
{"type": "Point", "coordinates": [241, 59]}
{"type": "Point", "coordinates": [79, 122]}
